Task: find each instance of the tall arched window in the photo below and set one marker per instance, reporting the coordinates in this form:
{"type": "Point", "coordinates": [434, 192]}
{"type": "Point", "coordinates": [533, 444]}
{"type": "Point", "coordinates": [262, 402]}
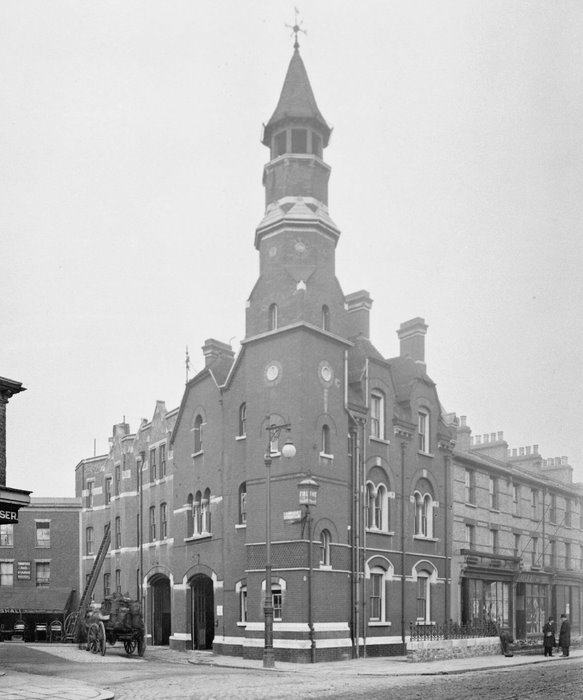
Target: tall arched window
{"type": "Point", "coordinates": [242, 419]}
{"type": "Point", "coordinates": [163, 521]}
{"type": "Point", "coordinates": [325, 539]}
{"type": "Point", "coordinates": [243, 503]}
{"type": "Point", "coordinates": [273, 317]}
{"type": "Point", "coordinates": [197, 511]}
{"type": "Point", "coordinates": [370, 502]}
{"type": "Point", "coordinates": [423, 594]}
{"type": "Point", "coordinates": [377, 415]}
{"type": "Point", "coordinates": [326, 447]}
{"type": "Point", "coordinates": [198, 433]}
{"type": "Point", "coordinates": [190, 516]}
{"type": "Point", "coordinates": [325, 318]}
{"type": "Point", "coordinates": [423, 514]}
{"type": "Point", "coordinates": [206, 512]}
{"type": "Point", "coordinates": [382, 508]}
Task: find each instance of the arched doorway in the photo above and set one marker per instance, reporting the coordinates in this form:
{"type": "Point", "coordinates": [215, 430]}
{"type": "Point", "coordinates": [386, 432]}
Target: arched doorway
{"type": "Point", "coordinates": [202, 618]}
{"type": "Point", "coordinates": [160, 611]}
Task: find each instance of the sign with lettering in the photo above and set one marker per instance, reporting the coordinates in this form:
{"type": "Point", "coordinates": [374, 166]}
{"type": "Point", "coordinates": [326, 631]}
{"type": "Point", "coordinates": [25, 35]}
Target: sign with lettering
{"type": "Point", "coordinates": [8, 513]}
{"type": "Point", "coordinates": [23, 571]}
{"type": "Point", "coordinates": [292, 516]}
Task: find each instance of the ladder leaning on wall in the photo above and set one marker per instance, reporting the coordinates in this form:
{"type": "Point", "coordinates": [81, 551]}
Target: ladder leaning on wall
{"type": "Point", "coordinates": [73, 627]}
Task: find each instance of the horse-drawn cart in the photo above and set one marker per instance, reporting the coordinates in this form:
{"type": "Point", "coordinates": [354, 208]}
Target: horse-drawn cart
{"type": "Point", "coordinates": [118, 618]}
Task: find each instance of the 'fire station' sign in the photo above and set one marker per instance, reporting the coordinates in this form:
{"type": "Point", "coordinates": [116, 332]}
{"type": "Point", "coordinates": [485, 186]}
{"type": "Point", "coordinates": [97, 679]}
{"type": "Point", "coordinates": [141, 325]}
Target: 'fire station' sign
{"type": "Point", "coordinates": [8, 513]}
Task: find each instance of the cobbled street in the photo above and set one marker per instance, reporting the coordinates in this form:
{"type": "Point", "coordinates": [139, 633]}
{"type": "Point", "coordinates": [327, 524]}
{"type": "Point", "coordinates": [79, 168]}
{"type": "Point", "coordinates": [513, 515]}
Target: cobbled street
{"type": "Point", "coordinates": [167, 675]}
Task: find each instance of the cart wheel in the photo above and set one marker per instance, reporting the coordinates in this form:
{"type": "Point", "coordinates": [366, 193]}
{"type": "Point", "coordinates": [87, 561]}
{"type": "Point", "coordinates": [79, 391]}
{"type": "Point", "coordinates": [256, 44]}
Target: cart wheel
{"type": "Point", "coordinates": [141, 644]}
{"type": "Point", "coordinates": [130, 646]}
{"type": "Point", "coordinates": [96, 638]}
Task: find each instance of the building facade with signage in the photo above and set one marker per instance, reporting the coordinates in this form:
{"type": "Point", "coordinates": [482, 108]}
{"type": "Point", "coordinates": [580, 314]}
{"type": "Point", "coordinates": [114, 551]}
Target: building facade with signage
{"type": "Point", "coordinates": [39, 563]}
{"type": "Point", "coordinates": [517, 535]}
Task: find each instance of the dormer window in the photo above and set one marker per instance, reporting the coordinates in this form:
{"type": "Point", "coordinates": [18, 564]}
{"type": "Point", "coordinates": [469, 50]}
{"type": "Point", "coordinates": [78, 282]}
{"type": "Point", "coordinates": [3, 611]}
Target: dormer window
{"type": "Point", "coordinates": [299, 140]}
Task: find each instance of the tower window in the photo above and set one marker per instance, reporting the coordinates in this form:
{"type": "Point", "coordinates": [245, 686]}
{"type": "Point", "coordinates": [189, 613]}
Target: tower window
{"type": "Point", "coordinates": [279, 144]}
{"type": "Point", "coordinates": [316, 145]}
{"type": "Point", "coordinates": [326, 448]}
{"type": "Point", "coordinates": [325, 318]}
{"type": "Point", "coordinates": [299, 140]}
{"type": "Point", "coordinates": [273, 317]}
{"type": "Point", "coordinates": [198, 434]}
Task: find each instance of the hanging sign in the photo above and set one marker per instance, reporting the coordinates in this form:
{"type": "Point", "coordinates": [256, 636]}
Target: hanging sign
{"type": "Point", "coordinates": [8, 513]}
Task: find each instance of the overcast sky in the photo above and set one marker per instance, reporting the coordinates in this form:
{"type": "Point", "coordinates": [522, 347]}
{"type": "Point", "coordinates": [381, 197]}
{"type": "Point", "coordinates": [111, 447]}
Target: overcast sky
{"type": "Point", "coordinates": [130, 189]}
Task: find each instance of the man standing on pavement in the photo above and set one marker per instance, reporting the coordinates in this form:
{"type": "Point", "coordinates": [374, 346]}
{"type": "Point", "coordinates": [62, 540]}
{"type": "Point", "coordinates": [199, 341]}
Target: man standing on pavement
{"type": "Point", "coordinates": [565, 635]}
{"type": "Point", "coordinates": [549, 641]}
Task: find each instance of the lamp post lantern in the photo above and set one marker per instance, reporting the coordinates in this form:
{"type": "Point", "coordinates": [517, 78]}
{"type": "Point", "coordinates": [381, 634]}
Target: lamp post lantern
{"type": "Point", "coordinates": [289, 451]}
{"type": "Point", "coordinates": [308, 496]}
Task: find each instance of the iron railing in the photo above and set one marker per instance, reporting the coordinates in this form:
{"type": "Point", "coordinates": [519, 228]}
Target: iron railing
{"type": "Point", "coordinates": [452, 630]}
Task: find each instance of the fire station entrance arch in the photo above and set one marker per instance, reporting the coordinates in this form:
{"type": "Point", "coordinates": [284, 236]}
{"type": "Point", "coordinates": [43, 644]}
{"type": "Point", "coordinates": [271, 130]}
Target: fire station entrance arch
{"type": "Point", "coordinates": [160, 610]}
{"type": "Point", "coordinates": [202, 618]}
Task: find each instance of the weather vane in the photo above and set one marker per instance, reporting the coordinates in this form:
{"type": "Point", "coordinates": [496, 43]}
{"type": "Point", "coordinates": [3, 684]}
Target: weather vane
{"type": "Point", "coordinates": [296, 28]}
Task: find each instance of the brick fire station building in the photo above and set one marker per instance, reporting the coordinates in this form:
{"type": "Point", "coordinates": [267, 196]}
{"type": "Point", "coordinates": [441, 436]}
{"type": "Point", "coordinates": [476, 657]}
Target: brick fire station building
{"type": "Point", "coordinates": [187, 495]}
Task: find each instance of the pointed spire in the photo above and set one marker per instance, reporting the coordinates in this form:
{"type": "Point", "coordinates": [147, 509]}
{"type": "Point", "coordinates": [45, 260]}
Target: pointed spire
{"type": "Point", "coordinates": [296, 101]}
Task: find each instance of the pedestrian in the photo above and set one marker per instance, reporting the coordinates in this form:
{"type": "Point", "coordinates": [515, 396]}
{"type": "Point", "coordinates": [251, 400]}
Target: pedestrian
{"type": "Point", "coordinates": [549, 640]}
{"type": "Point", "coordinates": [565, 635]}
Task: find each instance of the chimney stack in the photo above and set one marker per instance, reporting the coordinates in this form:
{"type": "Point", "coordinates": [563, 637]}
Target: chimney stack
{"type": "Point", "coordinates": [358, 305]}
{"type": "Point", "coordinates": [412, 336]}
{"type": "Point", "coordinates": [214, 349]}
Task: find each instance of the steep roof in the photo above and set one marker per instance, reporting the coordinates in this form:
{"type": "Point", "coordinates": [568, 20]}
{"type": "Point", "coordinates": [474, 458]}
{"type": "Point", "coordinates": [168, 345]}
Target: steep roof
{"type": "Point", "coordinates": [296, 101]}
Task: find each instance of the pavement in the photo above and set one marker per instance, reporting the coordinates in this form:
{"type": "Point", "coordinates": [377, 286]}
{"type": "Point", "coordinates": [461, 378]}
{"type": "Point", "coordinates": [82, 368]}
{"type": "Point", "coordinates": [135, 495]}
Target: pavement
{"type": "Point", "coordinates": [25, 686]}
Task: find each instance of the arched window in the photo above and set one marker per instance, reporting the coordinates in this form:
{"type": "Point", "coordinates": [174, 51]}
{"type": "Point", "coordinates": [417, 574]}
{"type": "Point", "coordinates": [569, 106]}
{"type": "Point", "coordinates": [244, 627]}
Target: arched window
{"type": "Point", "coordinates": [325, 539]}
{"type": "Point", "coordinates": [423, 514]}
{"type": "Point", "coordinates": [424, 441]}
{"type": "Point", "coordinates": [423, 595]}
{"type": "Point", "coordinates": [377, 501]}
{"type": "Point", "coordinates": [325, 318]}
{"type": "Point", "coordinates": [377, 595]}
{"type": "Point", "coordinates": [190, 516]}
{"type": "Point", "coordinates": [163, 521]}
{"type": "Point", "coordinates": [377, 415]}
{"type": "Point", "coordinates": [273, 317]}
{"type": "Point", "coordinates": [326, 447]}
{"type": "Point", "coordinates": [198, 434]}
{"type": "Point", "coordinates": [242, 419]}
{"type": "Point", "coordinates": [197, 512]}
{"type": "Point", "coordinates": [370, 503]}
{"type": "Point", "coordinates": [243, 503]}
{"type": "Point", "coordinates": [206, 512]}
{"type": "Point", "coordinates": [381, 508]}
{"type": "Point", "coordinates": [152, 523]}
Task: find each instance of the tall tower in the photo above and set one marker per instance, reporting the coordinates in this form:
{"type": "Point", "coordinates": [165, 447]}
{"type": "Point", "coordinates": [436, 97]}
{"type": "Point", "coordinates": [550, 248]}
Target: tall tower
{"type": "Point", "coordinates": [297, 238]}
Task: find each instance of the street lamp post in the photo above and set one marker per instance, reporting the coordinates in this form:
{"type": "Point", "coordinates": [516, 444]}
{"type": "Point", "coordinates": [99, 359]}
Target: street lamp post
{"type": "Point", "coordinates": [308, 496]}
{"type": "Point", "coordinates": [289, 451]}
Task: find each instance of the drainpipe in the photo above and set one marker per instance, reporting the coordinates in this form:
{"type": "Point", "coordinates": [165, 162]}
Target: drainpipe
{"type": "Point", "coordinates": [357, 507]}
{"type": "Point", "coordinates": [403, 446]}
{"type": "Point", "coordinates": [141, 531]}
{"type": "Point", "coordinates": [363, 524]}
{"type": "Point", "coordinates": [446, 542]}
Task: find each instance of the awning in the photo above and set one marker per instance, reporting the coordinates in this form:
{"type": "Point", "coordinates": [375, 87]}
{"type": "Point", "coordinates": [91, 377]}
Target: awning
{"type": "Point", "coordinates": [34, 600]}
